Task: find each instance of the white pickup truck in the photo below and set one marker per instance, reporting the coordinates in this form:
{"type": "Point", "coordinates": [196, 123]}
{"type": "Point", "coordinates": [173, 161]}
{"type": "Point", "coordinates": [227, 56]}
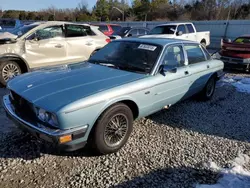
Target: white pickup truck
{"type": "Point", "coordinates": [185, 31]}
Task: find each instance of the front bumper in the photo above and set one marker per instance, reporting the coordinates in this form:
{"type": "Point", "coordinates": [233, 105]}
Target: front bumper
{"type": "Point", "coordinates": [235, 63]}
{"type": "Point", "coordinates": [43, 132]}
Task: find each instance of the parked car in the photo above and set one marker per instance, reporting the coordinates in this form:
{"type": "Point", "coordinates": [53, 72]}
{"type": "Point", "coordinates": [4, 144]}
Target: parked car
{"type": "Point", "coordinates": [236, 54]}
{"type": "Point", "coordinates": [48, 44]}
{"type": "Point", "coordinates": [7, 24]}
{"type": "Point", "coordinates": [108, 29]}
{"type": "Point", "coordinates": [97, 101]}
{"type": "Point", "coordinates": [129, 32]}
{"type": "Point", "coordinates": [185, 31]}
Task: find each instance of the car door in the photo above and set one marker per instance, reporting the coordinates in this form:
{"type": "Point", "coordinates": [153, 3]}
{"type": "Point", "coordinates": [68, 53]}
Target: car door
{"type": "Point", "coordinates": [173, 81]}
{"type": "Point", "coordinates": [199, 67]}
{"type": "Point", "coordinates": [80, 43]}
{"type": "Point", "coordinates": [46, 47]}
{"type": "Point", "coordinates": [191, 32]}
{"type": "Point", "coordinates": [184, 35]}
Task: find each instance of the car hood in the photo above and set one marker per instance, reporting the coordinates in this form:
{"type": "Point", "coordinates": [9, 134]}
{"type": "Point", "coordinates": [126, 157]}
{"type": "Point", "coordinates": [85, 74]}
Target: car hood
{"type": "Point", "coordinates": [7, 35]}
{"type": "Point", "coordinates": [53, 89]}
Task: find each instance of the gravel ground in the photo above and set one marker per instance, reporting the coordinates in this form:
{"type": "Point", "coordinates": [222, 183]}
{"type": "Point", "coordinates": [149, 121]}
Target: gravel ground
{"type": "Point", "coordinates": [167, 149]}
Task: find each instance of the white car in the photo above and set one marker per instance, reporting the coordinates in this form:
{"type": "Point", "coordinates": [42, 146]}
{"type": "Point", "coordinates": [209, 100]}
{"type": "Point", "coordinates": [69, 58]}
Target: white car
{"type": "Point", "coordinates": [47, 44]}
{"type": "Point", "coordinates": [185, 31]}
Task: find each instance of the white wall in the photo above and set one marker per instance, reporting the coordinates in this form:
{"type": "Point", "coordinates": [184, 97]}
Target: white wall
{"type": "Point", "coordinates": [218, 29]}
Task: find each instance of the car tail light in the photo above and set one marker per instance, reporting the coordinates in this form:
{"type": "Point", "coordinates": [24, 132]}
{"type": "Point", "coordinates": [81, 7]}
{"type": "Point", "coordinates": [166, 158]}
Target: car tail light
{"type": "Point", "coordinates": [108, 40]}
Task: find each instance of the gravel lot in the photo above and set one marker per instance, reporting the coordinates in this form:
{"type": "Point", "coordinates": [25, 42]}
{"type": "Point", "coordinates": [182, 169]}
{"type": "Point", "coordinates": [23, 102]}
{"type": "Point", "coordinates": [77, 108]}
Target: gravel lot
{"type": "Point", "coordinates": [168, 149]}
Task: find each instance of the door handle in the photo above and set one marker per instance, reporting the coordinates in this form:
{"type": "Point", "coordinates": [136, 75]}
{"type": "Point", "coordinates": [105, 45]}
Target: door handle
{"type": "Point", "coordinates": [208, 66]}
{"type": "Point", "coordinates": [186, 72]}
{"type": "Point", "coordinates": [58, 46]}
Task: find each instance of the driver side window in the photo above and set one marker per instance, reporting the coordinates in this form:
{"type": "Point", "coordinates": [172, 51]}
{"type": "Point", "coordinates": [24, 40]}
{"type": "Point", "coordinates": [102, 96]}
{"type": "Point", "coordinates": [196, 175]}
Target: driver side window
{"type": "Point", "coordinates": [173, 57]}
{"type": "Point", "coordinates": [47, 33]}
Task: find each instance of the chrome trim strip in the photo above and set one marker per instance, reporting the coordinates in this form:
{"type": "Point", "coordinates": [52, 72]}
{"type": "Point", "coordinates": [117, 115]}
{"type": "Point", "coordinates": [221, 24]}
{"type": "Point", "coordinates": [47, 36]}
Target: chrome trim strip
{"type": "Point", "coordinates": [41, 129]}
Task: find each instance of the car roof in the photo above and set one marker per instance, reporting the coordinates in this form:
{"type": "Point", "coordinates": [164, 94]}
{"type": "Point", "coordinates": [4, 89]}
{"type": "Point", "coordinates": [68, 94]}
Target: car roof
{"type": "Point", "coordinates": [157, 41]}
{"type": "Point", "coordinates": [175, 23]}
{"type": "Point", "coordinates": [105, 24]}
{"type": "Point", "coordinates": [60, 22]}
{"type": "Point", "coordinates": [139, 28]}
{"type": "Point", "coordinates": [247, 35]}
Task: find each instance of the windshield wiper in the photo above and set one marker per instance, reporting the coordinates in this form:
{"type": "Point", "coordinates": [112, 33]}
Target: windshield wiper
{"type": "Point", "coordinates": [105, 63]}
{"type": "Point", "coordinates": [132, 68]}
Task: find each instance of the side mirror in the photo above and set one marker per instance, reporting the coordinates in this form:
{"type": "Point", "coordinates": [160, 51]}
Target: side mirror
{"type": "Point", "coordinates": [179, 33]}
{"type": "Point", "coordinates": [129, 35]}
{"type": "Point", "coordinates": [226, 40]}
{"type": "Point", "coordinates": [163, 69]}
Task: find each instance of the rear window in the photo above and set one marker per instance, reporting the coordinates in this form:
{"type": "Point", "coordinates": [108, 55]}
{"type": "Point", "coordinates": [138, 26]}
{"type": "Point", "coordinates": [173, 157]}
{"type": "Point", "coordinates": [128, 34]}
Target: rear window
{"type": "Point", "coordinates": [194, 53]}
{"type": "Point", "coordinates": [7, 23]}
{"type": "Point", "coordinates": [166, 29]}
{"type": "Point", "coordinates": [242, 40]}
{"type": "Point", "coordinates": [78, 31]}
{"type": "Point", "coordinates": [116, 27]}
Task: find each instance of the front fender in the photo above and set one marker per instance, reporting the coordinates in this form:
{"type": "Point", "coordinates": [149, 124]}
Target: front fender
{"type": "Point", "coordinates": [11, 56]}
{"type": "Point", "coordinates": [111, 102]}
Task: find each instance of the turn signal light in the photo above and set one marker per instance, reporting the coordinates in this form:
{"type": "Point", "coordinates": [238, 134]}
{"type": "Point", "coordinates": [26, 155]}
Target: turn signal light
{"type": "Point", "coordinates": [108, 40]}
{"type": "Point", "coordinates": [64, 139]}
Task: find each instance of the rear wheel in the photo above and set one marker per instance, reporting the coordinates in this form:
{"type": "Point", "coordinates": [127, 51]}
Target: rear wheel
{"type": "Point", "coordinates": [8, 70]}
{"type": "Point", "coordinates": [113, 129]}
{"type": "Point", "coordinates": [208, 91]}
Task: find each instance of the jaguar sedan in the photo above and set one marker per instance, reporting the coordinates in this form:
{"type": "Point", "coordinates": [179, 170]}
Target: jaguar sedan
{"type": "Point", "coordinates": [98, 100]}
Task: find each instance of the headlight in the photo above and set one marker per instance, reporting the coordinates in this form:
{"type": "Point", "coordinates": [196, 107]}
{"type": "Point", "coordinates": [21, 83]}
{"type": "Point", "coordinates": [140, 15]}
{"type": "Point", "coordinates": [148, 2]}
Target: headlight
{"type": "Point", "coordinates": [47, 117]}
{"type": "Point", "coordinates": [246, 60]}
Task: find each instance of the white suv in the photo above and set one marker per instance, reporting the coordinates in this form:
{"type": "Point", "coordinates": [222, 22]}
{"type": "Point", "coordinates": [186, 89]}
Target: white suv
{"type": "Point", "coordinates": [48, 44]}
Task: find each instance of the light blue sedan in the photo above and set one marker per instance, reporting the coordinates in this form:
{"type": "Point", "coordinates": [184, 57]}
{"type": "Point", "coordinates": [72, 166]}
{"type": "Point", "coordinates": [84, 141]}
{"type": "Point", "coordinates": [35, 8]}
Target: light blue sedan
{"type": "Point", "coordinates": [98, 100]}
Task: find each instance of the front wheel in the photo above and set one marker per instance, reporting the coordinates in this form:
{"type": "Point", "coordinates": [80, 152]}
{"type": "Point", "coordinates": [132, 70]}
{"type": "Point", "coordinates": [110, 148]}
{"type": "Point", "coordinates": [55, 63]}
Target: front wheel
{"type": "Point", "coordinates": [8, 70]}
{"type": "Point", "coordinates": [208, 91]}
{"type": "Point", "coordinates": [113, 129]}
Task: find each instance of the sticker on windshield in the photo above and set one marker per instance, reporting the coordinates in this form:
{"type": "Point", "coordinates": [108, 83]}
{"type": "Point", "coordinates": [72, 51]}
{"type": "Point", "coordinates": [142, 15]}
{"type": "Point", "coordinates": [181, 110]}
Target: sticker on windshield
{"type": "Point", "coordinates": [147, 47]}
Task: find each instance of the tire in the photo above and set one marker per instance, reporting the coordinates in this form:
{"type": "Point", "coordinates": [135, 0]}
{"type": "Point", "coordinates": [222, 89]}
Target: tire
{"type": "Point", "coordinates": [8, 70]}
{"type": "Point", "coordinates": [100, 141]}
{"type": "Point", "coordinates": [208, 91]}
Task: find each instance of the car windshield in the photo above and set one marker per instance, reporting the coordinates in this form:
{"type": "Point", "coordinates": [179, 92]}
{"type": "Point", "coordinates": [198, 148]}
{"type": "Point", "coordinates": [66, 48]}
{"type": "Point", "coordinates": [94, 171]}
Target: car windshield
{"type": "Point", "coordinates": [20, 31]}
{"type": "Point", "coordinates": [128, 55]}
{"type": "Point", "coordinates": [242, 40]}
{"type": "Point", "coordinates": [165, 29]}
{"type": "Point", "coordinates": [122, 32]}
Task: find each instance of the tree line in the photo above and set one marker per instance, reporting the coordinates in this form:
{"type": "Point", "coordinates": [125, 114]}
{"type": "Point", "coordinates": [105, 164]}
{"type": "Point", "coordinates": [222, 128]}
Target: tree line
{"type": "Point", "coordinates": [140, 10]}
